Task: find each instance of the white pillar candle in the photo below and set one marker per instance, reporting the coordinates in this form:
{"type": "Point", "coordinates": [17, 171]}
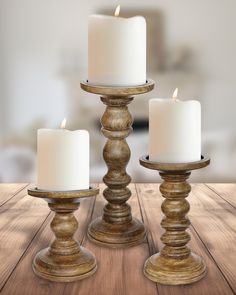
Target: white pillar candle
{"type": "Point", "coordinates": [62, 159]}
{"type": "Point", "coordinates": [174, 130]}
{"type": "Point", "coordinates": [117, 50]}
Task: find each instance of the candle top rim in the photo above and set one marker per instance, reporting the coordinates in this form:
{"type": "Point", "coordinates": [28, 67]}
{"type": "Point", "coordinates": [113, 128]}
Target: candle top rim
{"type": "Point", "coordinates": [170, 99]}
{"type": "Point", "coordinates": [106, 16]}
{"type": "Point", "coordinates": [63, 130]}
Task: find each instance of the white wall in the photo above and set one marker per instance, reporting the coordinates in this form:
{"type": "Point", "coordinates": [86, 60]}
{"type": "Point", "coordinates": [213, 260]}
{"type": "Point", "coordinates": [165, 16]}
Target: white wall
{"type": "Point", "coordinates": [38, 39]}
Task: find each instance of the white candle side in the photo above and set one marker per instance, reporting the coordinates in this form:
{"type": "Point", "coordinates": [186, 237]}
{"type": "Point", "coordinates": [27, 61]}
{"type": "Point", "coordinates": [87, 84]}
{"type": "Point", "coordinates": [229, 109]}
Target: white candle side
{"type": "Point", "coordinates": [174, 131]}
{"type": "Point", "coordinates": [116, 50]}
{"type": "Point", "coordinates": [62, 159]}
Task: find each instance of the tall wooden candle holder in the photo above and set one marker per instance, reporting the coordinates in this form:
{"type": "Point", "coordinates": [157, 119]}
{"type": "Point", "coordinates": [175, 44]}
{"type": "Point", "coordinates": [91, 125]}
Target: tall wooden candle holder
{"type": "Point", "coordinates": [116, 228]}
{"type": "Point", "coordinates": [175, 264]}
{"type": "Point", "coordinates": [64, 260]}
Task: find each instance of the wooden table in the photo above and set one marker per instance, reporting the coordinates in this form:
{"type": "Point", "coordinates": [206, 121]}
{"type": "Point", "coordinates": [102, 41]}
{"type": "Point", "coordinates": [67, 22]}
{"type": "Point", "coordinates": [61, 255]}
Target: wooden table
{"type": "Point", "coordinates": [24, 230]}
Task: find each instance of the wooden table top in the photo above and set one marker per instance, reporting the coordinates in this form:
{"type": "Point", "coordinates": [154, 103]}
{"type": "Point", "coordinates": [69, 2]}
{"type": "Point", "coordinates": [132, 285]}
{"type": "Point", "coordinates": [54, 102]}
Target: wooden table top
{"type": "Point", "coordinates": [24, 230]}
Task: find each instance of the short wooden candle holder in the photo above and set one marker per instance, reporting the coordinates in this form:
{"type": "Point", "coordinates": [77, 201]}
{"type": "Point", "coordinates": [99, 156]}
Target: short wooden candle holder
{"type": "Point", "coordinates": [64, 260]}
{"type": "Point", "coordinates": [175, 264]}
{"type": "Point", "coordinates": [116, 228]}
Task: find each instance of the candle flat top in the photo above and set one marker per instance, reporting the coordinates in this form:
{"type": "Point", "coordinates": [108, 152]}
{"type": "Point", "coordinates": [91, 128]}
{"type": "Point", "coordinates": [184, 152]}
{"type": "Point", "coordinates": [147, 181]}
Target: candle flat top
{"type": "Point", "coordinates": [118, 18]}
{"type": "Point", "coordinates": [170, 100]}
{"type": "Point", "coordinates": [81, 131]}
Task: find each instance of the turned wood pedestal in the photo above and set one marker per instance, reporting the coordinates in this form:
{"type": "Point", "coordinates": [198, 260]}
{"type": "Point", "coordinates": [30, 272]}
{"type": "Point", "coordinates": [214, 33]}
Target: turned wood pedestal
{"type": "Point", "coordinates": [117, 228]}
{"type": "Point", "coordinates": [64, 260]}
{"type": "Point", "coordinates": [175, 264]}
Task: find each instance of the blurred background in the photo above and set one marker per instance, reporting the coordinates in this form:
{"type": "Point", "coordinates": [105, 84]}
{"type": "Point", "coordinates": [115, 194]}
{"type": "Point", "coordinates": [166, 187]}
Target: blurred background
{"type": "Point", "coordinates": [43, 57]}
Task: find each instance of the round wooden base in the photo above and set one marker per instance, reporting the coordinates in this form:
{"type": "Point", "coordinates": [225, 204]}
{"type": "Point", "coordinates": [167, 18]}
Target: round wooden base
{"type": "Point", "coordinates": [173, 271]}
{"type": "Point", "coordinates": [64, 268]}
{"type": "Point", "coordinates": [116, 235]}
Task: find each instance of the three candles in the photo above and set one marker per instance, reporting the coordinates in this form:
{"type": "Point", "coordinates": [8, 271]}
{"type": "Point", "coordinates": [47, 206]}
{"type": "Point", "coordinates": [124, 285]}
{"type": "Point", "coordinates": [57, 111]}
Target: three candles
{"type": "Point", "coordinates": [117, 57]}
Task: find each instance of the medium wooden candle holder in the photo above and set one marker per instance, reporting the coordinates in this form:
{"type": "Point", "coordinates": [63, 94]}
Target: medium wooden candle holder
{"type": "Point", "coordinates": [116, 228]}
{"type": "Point", "coordinates": [175, 264]}
{"type": "Point", "coordinates": [64, 260]}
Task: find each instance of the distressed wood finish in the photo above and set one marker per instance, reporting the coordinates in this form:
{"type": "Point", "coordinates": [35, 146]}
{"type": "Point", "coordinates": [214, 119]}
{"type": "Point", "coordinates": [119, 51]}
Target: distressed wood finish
{"type": "Point", "coordinates": [23, 280]}
{"type": "Point", "coordinates": [25, 229]}
{"type": "Point", "coordinates": [117, 228]}
{"type": "Point", "coordinates": [219, 235]}
{"type": "Point", "coordinates": [120, 270]}
{"type": "Point", "coordinates": [20, 220]}
{"type": "Point", "coordinates": [227, 191]}
{"type": "Point", "coordinates": [64, 260]}
{"type": "Point", "coordinates": [9, 190]}
{"type": "Point", "coordinates": [216, 281]}
{"type": "Point", "coordinates": [175, 264]}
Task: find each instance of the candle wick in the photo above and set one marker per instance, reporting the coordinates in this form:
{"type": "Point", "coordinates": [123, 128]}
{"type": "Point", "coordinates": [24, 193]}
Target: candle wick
{"type": "Point", "coordinates": [63, 124]}
{"type": "Point", "coordinates": [117, 11]}
{"type": "Point", "coordinates": [175, 94]}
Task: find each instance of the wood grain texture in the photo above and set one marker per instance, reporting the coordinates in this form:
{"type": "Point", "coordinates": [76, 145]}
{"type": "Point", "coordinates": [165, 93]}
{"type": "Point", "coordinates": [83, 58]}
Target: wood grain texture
{"type": "Point", "coordinates": [215, 221]}
{"type": "Point", "coordinates": [9, 190]}
{"type": "Point", "coordinates": [119, 270]}
{"type": "Point", "coordinates": [116, 228]}
{"type": "Point", "coordinates": [214, 282]}
{"type": "Point", "coordinates": [174, 167]}
{"type": "Point", "coordinates": [118, 91]}
{"type": "Point", "coordinates": [227, 191]}
{"type": "Point", "coordinates": [176, 263]}
{"type": "Point", "coordinates": [23, 280]}
{"type": "Point", "coordinates": [20, 219]}
{"type": "Point", "coordinates": [64, 260]}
